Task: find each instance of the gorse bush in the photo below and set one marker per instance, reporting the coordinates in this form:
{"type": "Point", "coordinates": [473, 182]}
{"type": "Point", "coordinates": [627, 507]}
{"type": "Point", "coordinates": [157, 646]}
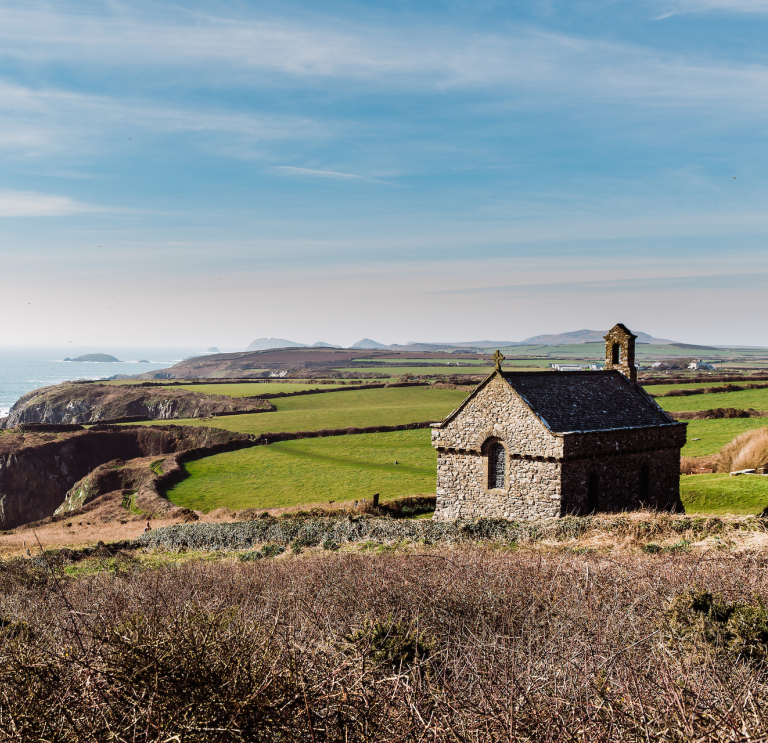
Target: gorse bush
{"type": "Point", "coordinates": [267, 551]}
{"type": "Point", "coordinates": [392, 644]}
{"type": "Point", "coordinates": [698, 616]}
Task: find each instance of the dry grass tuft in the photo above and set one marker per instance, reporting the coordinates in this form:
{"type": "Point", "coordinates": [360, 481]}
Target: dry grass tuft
{"type": "Point", "coordinates": [696, 465]}
{"type": "Point", "coordinates": [747, 451]}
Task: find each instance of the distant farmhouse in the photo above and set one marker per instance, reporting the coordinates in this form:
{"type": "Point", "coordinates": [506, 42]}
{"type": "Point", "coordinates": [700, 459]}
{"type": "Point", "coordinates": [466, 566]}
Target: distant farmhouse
{"type": "Point", "coordinates": [700, 366]}
{"type": "Point", "coordinates": [530, 445]}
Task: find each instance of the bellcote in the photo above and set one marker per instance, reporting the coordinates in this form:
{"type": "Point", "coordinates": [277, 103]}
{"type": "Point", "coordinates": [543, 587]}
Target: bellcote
{"type": "Point", "coordinates": [620, 351]}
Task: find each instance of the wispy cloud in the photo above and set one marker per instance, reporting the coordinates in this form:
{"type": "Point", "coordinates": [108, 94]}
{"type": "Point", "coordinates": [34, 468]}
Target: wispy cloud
{"type": "Point", "coordinates": [677, 7]}
{"type": "Point", "coordinates": [239, 51]}
{"type": "Point", "coordinates": [40, 120]}
{"type": "Point", "coordinates": [31, 204]}
{"type": "Point", "coordinates": [311, 173]}
{"type": "Point", "coordinates": [623, 286]}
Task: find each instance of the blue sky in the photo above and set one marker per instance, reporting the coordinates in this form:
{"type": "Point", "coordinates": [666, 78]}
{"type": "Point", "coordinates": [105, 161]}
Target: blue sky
{"type": "Point", "coordinates": [209, 173]}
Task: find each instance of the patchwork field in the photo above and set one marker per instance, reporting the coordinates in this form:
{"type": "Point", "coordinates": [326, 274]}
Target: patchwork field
{"type": "Point", "coordinates": [291, 473]}
{"type": "Point", "coordinates": [355, 467]}
{"type": "Point", "coordinates": [254, 389]}
{"type": "Point", "coordinates": [757, 399]}
{"type": "Point", "coordinates": [389, 406]}
{"type": "Point", "coordinates": [658, 389]}
{"type": "Point", "coordinates": [419, 370]}
{"type": "Point", "coordinates": [346, 468]}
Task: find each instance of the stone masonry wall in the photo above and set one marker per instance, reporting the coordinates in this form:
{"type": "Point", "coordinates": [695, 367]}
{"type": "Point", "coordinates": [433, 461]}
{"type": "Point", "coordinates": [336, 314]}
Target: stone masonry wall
{"type": "Point", "coordinates": [624, 441]}
{"type": "Point", "coordinates": [618, 481]}
{"type": "Point", "coordinates": [533, 490]}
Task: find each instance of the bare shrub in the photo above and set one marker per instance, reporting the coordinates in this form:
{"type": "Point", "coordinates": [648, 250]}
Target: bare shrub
{"type": "Point", "coordinates": [695, 465]}
{"type": "Point", "coordinates": [446, 645]}
{"type": "Point", "coordinates": [749, 450]}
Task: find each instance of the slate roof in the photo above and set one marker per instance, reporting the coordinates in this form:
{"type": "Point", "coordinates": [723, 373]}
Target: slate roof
{"type": "Point", "coordinates": [586, 401]}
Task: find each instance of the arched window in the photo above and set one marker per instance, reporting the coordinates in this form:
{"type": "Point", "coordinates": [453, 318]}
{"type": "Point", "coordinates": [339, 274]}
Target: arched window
{"type": "Point", "coordinates": [616, 354]}
{"type": "Point", "coordinates": [593, 492]}
{"type": "Point", "coordinates": [645, 483]}
{"type": "Point", "coordinates": [496, 465]}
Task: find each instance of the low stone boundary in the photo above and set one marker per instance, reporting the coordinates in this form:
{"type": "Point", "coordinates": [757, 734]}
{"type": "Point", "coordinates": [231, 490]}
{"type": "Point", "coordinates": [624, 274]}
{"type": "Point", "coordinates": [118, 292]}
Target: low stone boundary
{"type": "Point", "coordinates": [705, 380]}
{"type": "Point", "coordinates": [272, 438]}
{"type": "Point", "coordinates": [710, 390]}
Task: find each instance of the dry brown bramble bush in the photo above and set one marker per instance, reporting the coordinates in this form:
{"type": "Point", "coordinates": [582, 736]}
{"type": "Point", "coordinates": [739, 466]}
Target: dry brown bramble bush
{"type": "Point", "coordinates": [443, 645]}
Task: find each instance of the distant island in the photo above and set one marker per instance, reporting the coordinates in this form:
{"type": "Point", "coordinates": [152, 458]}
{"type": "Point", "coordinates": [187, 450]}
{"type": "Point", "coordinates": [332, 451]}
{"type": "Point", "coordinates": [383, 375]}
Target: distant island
{"type": "Point", "coordinates": [98, 357]}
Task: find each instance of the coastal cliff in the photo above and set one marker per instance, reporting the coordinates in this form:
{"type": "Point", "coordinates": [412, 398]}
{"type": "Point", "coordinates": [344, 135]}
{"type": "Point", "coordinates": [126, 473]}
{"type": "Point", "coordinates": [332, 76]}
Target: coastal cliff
{"type": "Point", "coordinates": [39, 468]}
{"type": "Point", "coordinates": [93, 403]}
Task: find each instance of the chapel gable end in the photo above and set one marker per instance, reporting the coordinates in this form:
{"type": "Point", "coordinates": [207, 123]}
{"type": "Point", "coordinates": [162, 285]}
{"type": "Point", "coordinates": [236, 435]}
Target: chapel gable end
{"type": "Point", "coordinates": [495, 411]}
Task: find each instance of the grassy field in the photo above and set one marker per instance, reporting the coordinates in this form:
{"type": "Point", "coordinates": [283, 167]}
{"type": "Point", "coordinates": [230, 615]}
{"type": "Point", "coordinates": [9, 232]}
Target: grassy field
{"type": "Point", "coordinates": [658, 389]}
{"type": "Point", "coordinates": [451, 360]}
{"type": "Point", "coordinates": [720, 494]}
{"type": "Point", "coordinates": [757, 399]}
{"type": "Point", "coordinates": [290, 473]}
{"type": "Point", "coordinates": [360, 408]}
{"type": "Point", "coordinates": [420, 370]}
{"type": "Point", "coordinates": [713, 435]}
{"type": "Point", "coordinates": [342, 468]}
{"type": "Point", "coordinates": [250, 389]}
{"type": "Point", "coordinates": [354, 467]}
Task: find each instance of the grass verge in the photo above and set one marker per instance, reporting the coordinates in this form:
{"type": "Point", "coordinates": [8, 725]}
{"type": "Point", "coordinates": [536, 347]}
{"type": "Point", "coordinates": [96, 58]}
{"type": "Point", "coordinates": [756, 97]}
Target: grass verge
{"type": "Point", "coordinates": [721, 494]}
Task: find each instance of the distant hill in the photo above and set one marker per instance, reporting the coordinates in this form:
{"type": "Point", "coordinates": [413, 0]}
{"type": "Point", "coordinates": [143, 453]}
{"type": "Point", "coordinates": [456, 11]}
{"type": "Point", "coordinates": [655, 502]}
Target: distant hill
{"type": "Point", "coordinates": [586, 336]}
{"type": "Point", "coordinates": [263, 344]}
{"type": "Point", "coordinates": [95, 357]}
{"type": "Point", "coordinates": [693, 347]}
{"type": "Point", "coordinates": [212, 349]}
{"type": "Point", "coordinates": [321, 344]}
{"type": "Point", "coordinates": [367, 343]}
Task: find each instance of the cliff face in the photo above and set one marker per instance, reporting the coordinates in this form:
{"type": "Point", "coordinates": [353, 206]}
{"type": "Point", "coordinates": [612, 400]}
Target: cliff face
{"type": "Point", "coordinates": [91, 403]}
{"type": "Point", "coordinates": [38, 469]}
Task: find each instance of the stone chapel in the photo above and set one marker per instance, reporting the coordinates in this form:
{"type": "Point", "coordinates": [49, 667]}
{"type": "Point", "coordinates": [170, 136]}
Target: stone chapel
{"type": "Point", "coordinates": [528, 445]}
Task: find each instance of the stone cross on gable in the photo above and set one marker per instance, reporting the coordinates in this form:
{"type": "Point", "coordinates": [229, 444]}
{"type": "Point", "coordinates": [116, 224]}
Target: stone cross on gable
{"type": "Point", "coordinates": [498, 357]}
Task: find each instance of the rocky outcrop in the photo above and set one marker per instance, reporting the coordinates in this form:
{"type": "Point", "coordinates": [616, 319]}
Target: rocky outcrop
{"type": "Point", "coordinates": [39, 469]}
{"type": "Point", "coordinates": [93, 403]}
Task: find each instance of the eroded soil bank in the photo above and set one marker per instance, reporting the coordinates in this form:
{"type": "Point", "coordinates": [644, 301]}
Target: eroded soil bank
{"type": "Point", "coordinates": [39, 469]}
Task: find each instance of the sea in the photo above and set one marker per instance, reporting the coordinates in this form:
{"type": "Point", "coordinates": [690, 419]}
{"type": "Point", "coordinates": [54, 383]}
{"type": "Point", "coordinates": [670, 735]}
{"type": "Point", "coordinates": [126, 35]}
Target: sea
{"type": "Point", "coordinates": [23, 369]}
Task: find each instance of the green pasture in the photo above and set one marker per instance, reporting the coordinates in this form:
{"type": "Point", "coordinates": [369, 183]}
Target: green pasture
{"type": "Point", "coordinates": [720, 494]}
{"type": "Point", "coordinates": [757, 399]}
{"type": "Point", "coordinates": [451, 360]}
{"type": "Point", "coordinates": [354, 467]}
{"type": "Point", "coordinates": [713, 435]}
{"type": "Point", "coordinates": [251, 389]}
{"type": "Point", "coordinates": [292, 473]}
{"type": "Point", "coordinates": [658, 389]}
{"type": "Point", "coordinates": [419, 370]}
{"type": "Point", "coordinates": [388, 406]}
{"type": "Point", "coordinates": [343, 468]}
